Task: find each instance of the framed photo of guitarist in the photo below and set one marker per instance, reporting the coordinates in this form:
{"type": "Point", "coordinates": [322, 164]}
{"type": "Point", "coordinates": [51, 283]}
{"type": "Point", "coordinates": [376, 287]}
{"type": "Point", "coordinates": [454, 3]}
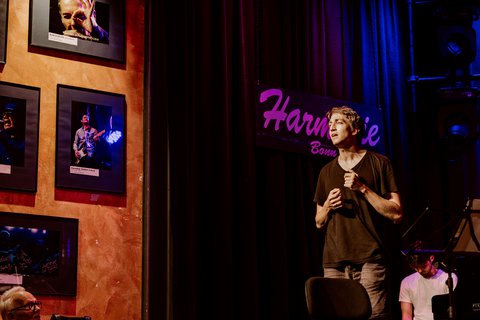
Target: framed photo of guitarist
{"type": "Point", "coordinates": [90, 140]}
{"type": "Point", "coordinates": [88, 149]}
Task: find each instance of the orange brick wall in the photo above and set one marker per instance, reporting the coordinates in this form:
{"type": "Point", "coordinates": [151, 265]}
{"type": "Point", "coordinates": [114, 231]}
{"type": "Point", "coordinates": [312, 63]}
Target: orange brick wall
{"type": "Point", "coordinates": [110, 229]}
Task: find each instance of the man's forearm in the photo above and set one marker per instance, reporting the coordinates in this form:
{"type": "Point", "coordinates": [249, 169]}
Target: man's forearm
{"type": "Point", "coordinates": [389, 208]}
{"type": "Point", "coordinates": [321, 216]}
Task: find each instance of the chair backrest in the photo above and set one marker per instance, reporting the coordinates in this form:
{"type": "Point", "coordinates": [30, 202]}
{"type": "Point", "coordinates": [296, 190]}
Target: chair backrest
{"type": "Point", "coordinates": [60, 317]}
{"type": "Point", "coordinates": [336, 299]}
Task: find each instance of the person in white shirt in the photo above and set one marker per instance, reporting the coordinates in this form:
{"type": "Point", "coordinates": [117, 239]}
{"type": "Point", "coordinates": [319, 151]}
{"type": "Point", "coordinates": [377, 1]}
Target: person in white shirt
{"type": "Point", "coordinates": [417, 289]}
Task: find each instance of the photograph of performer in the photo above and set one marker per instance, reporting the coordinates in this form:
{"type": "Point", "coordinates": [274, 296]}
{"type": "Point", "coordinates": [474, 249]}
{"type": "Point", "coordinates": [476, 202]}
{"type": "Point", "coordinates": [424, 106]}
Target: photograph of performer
{"type": "Point", "coordinates": [86, 138]}
{"type": "Point", "coordinates": [78, 19]}
{"type": "Point", "coordinates": [357, 199]}
{"type": "Point", "coordinates": [95, 140]}
{"type": "Point", "coordinates": [12, 133]}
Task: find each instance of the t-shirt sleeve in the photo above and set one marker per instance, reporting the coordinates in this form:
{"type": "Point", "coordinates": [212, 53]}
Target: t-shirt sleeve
{"type": "Point", "coordinates": [455, 280]}
{"type": "Point", "coordinates": [387, 183]}
{"type": "Point", "coordinates": [404, 295]}
{"type": "Point", "coordinates": [391, 182]}
{"type": "Point", "coordinates": [319, 190]}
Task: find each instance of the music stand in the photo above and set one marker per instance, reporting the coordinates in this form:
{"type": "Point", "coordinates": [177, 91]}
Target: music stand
{"type": "Point", "coordinates": [464, 242]}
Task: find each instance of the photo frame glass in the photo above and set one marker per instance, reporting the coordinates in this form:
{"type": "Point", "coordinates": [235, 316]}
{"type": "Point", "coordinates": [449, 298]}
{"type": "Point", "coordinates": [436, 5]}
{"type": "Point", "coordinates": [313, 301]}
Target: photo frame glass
{"type": "Point", "coordinates": [54, 24]}
{"type": "Point", "coordinates": [39, 253]}
{"type": "Point", "coordinates": [57, 18]}
{"type": "Point", "coordinates": [19, 117]}
{"type": "Point", "coordinates": [90, 151]}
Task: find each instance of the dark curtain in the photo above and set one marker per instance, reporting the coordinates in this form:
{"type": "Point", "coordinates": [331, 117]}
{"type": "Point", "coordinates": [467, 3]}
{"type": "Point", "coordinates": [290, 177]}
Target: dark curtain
{"type": "Point", "coordinates": [349, 50]}
{"type": "Point", "coordinates": [229, 226]}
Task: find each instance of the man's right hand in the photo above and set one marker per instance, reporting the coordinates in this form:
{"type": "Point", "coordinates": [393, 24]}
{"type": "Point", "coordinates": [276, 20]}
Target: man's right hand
{"type": "Point", "coordinates": [334, 199]}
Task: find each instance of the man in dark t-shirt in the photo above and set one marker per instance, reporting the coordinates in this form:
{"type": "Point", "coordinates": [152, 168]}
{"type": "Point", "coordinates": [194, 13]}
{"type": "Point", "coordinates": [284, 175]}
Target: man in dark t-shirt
{"type": "Point", "coordinates": [356, 196]}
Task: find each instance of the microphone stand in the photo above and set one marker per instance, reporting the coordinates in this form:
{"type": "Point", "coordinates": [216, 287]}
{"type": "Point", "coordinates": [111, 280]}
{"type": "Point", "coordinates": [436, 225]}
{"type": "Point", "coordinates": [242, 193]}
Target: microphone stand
{"type": "Point", "coordinates": [415, 222]}
{"type": "Point", "coordinates": [420, 216]}
{"type": "Point", "coordinates": [464, 220]}
{"type": "Point", "coordinates": [451, 300]}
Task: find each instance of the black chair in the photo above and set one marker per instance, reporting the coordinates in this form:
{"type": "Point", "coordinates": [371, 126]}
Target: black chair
{"type": "Point", "coordinates": [336, 299]}
{"type": "Point", "coordinates": [60, 317]}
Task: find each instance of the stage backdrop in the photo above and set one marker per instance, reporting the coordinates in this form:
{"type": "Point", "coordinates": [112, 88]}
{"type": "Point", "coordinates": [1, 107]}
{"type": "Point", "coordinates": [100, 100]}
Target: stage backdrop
{"type": "Point", "coordinates": [295, 121]}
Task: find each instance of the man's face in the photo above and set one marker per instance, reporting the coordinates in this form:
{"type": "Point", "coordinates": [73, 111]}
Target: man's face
{"type": "Point", "coordinates": [67, 14]}
{"type": "Point", "coordinates": [426, 269]}
{"type": "Point", "coordinates": [340, 129]}
{"type": "Point", "coordinates": [7, 118]}
{"type": "Point", "coordinates": [85, 120]}
{"type": "Point", "coordinates": [20, 309]}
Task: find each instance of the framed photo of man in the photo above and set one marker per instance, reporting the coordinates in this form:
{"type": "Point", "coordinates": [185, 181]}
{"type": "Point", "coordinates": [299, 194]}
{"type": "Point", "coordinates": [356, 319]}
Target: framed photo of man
{"type": "Point", "coordinates": [19, 114]}
{"type": "Point", "coordinates": [3, 30]}
{"type": "Point", "coordinates": [90, 148]}
{"type": "Point", "coordinates": [88, 27]}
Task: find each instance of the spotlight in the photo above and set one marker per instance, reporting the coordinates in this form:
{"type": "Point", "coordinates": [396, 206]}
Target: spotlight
{"type": "Point", "coordinates": [458, 45]}
{"type": "Point", "coordinates": [458, 130]}
{"type": "Point", "coordinates": [457, 127]}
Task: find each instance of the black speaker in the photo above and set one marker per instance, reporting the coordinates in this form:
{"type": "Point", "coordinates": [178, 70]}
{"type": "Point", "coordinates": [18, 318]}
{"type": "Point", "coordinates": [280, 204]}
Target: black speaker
{"type": "Point", "coordinates": [467, 297]}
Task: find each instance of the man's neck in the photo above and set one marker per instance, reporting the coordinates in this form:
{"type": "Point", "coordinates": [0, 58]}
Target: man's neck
{"type": "Point", "coordinates": [350, 157]}
{"type": "Point", "coordinates": [351, 153]}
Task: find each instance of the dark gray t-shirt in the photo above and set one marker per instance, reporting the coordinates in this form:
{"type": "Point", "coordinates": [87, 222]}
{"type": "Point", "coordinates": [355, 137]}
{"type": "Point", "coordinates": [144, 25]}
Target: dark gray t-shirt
{"type": "Point", "coordinates": [355, 234]}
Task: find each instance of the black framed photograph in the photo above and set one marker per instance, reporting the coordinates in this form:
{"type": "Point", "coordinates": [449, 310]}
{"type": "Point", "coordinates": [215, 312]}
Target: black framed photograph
{"type": "Point", "coordinates": [89, 27]}
{"type": "Point", "coordinates": [19, 117]}
{"type": "Point", "coordinates": [39, 253]}
{"type": "Point", "coordinates": [3, 30]}
{"type": "Point", "coordinates": [90, 150]}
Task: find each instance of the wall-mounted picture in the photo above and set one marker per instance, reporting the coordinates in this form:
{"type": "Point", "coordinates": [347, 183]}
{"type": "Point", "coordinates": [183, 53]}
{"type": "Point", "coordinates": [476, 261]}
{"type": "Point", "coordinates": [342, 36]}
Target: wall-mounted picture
{"type": "Point", "coordinates": [3, 30]}
{"type": "Point", "coordinates": [90, 151]}
{"type": "Point", "coordinates": [88, 27]}
{"type": "Point", "coordinates": [39, 253]}
{"type": "Point", "coordinates": [19, 109]}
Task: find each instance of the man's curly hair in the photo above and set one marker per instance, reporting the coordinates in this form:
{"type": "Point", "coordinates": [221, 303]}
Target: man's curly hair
{"type": "Point", "coordinates": [355, 119]}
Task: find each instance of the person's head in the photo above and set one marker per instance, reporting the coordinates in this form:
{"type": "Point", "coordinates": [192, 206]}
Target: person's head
{"type": "Point", "coordinates": [344, 120]}
{"type": "Point", "coordinates": [19, 304]}
{"type": "Point", "coordinates": [85, 120]}
{"type": "Point", "coordinates": [423, 263]}
{"type": "Point", "coordinates": [67, 9]}
{"type": "Point", "coordinates": [7, 116]}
